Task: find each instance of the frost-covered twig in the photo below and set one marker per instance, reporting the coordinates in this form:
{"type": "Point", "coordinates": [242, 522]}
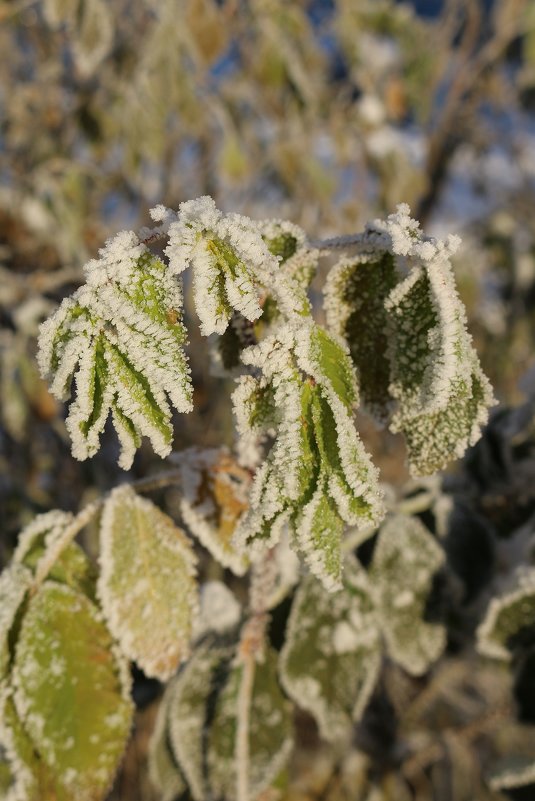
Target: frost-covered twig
{"type": "Point", "coordinates": [251, 648]}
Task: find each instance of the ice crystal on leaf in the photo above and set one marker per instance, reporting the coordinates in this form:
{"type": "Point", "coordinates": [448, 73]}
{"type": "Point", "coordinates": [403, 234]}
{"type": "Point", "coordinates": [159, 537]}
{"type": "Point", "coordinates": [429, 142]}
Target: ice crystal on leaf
{"type": "Point", "coordinates": [396, 304]}
{"type": "Point", "coordinates": [147, 582]}
{"type": "Point", "coordinates": [120, 337]}
{"type": "Point", "coordinates": [317, 475]}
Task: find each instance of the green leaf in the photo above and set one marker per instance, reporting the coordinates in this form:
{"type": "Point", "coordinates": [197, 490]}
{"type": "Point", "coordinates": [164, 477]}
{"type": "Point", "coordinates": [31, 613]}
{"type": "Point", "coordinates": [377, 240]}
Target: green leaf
{"type": "Point", "coordinates": [298, 262]}
{"type": "Point", "coordinates": [442, 394]}
{"type": "Point", "coordinates": [72, 566]}
{"type": "Point", "coordinates": [121, 337]}
{"type": "Point", "coordinates": [147, 583]}
{"type": "Point", "coordinates": [164, 772]}
{"type": "Point", "coordinates": [405, 560]}
{"type": "Point", "coordinates": [331, 366]}
{"type": "Point", "coordinates": [319, 529]}
{"type": "Point", "coordinates": [202, 723]}
{"type": "Point", "coordinates": [270, 732]}
{"type": "Point", "coordinates": [509, 620]}
{"type": "Point", "coordinates": [355, 294]}
{"type": "Point", "coordinates": [317, 476]}
{"type": "Point", "coordinates": [15, 581]}
{"type": "Point", "coordinates": [191, 698]}
{"type": "Point", "coordinates": [28, 776]}
{"type": "Point", "coordinates": [330, 660]}
{"type": "Point", "coordinates": [433, 440]}
{"type": "Point", "coordinates": [71, 692]}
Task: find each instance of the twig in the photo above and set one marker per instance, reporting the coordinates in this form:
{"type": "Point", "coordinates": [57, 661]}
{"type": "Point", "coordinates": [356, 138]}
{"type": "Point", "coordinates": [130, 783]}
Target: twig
{"type": "Point", "coordinates": [264, 573]}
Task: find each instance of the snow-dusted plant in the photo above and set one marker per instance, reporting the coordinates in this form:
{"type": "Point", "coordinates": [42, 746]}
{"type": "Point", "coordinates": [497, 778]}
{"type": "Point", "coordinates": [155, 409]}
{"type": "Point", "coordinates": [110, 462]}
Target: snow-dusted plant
{"type": "Point", "coordinates": [275, 504]}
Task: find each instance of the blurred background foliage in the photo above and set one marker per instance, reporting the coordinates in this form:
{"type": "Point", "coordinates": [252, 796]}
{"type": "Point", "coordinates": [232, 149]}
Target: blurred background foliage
{"type": "Point", "coordinates": [328, 113]}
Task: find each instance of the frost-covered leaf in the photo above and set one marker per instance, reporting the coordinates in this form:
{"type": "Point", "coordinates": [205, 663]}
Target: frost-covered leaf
{"type": "Point", "coordinates": [28, 776]}
{"type": "Point", "coordinates": [433, 440]}
{"type": "Point", "coordinates": [72, 567]}
{"type": "Point", "coordinates": [298, 261]}
{"type": "Point", "coordinates": [231, 264]}
{"type": "Point", "coordinates": [509, 619]}
{"type": "Point", "coordinates": [317, 476]}
{"type": "Point", "coordinates": [355, 294]}
{"type": "Point", "coordinates": [442, 394]}
{"type": "Point", "coordinates": [71, 692]}
{"type": "Point", "coordinates": [270, 732]}
{"type": "Point", "coordinates": [147, 583]}
{"type": "Point", "coordinates": [15, 581]}
{"type": "Point", "coordinates": [396, 305]}
{"type": "Point", "coordinates": [330, 661]}
{"type": "Point", "coordinates": [202, 723]}
{"type": "Point", "coordinates": [214, 496]}
{"type": "Point", "coordinates": [191, 696]}
{"type": "Point", "coordinates": [405, 560]}
{"type": "Point", "coordinates": [120, 337]}
{"type": "Point", "coordinates": [164, 772]}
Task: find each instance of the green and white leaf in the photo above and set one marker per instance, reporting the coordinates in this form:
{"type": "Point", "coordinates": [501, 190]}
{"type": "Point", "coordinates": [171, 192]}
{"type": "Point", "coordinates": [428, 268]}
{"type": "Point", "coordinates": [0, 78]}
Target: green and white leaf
{"type": "Point", "coordinates": [15, 580]}
{"type": "Point", "coordinates": [298, 261]}
{"type": "Point", "coordinates": [270, 732]}
{"type": "Point", "coordinates": [354, 300]}
{"type": "Point", "coordinates": [71, 692]}
{"type": "Point", "coordinates": [508, 617]}
{"type": "Point", "coordinates": [121, 338]}
{"type": "Point", "coordinates": [231, 264]}
{"type": "Point", "coordinates": [443, 397]}
{"type": "Point", "coordinates": [72, 567]}
{"type": "Point", "coordinates": [330, 661]}
{"type": "Point", "coordinates": [433, 440]}
{"type": "Point", "coordinates": [164, 772]}
{"type": "Point", "coordinates": [317, 476]}
{"type": "Point", "coordinates": [147, 583]}
{"type": "Point", "coordinates": [28, 777]}
{"type": "Point", "coordinates": [202, 723]}
{"type": "Point", "coordinates": [405, 560]}
{"type": "Point", "coordinates": [191, 694]}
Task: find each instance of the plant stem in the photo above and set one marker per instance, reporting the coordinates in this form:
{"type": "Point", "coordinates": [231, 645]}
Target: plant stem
{"type": "Point", "coordinates": [252, 642]}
